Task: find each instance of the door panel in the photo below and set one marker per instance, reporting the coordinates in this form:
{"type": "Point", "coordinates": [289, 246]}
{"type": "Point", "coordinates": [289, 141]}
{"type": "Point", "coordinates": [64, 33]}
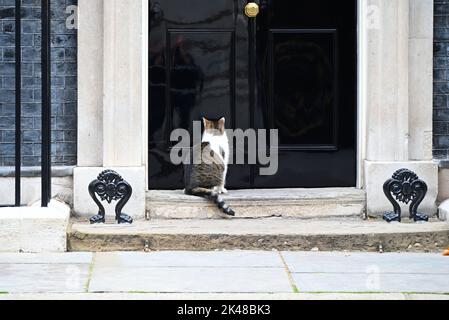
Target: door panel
{"type": "Point", "coordinates": [293, 68]}
{"type": "Point", "coordinates": [201, 75]}
{"type": "Point", "coordinates": [302, 78]}
{"type": "Point", "coordinates": [306, 53]}
{"type": "Point", "coordinates": [198, 68]}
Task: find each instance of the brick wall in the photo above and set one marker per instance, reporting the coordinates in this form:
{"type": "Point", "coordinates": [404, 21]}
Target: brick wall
{"type": "Point", "coordinates": [64, 84]}
{"type": "Point", "coordinates": [441, 80]}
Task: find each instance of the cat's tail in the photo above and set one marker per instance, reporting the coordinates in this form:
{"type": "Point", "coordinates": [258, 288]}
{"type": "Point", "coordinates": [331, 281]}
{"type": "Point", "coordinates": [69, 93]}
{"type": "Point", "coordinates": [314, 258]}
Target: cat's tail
{"type": "Point", "coordinates": [213, 196]}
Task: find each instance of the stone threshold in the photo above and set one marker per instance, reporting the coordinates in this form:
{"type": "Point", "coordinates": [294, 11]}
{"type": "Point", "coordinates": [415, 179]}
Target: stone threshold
{"type": "Point", "coordinates": [261, 203]}
{"type": "Point", "coordinates": [261, 234]}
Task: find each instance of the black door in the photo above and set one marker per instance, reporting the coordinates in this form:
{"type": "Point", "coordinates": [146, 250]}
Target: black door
{"type": "Point", "coordinates": [292, 68]}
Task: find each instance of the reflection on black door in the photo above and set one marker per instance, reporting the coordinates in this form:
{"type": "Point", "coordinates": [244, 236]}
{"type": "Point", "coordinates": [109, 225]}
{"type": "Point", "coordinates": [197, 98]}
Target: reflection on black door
{"type": "Point", "coordinates": [304, 82]}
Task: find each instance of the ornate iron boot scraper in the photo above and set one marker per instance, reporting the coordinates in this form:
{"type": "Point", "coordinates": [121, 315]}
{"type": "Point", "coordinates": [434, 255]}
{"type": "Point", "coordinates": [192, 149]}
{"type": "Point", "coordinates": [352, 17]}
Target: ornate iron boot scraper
{"type": "Point", "coordinates": [110, 186]}
{"type": "Point", "coordinates": [407, 188]}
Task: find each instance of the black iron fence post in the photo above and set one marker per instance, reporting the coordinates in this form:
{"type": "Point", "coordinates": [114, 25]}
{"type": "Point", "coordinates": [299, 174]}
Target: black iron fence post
{"type": "Point", "coordinates": [46, 103]}
{"type": "Point", "coordinates": [18, 98]}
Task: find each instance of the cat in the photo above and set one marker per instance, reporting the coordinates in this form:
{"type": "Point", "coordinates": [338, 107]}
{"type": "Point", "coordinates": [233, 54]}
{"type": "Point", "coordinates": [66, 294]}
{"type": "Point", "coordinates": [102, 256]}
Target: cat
{"type": "Point", "coordinates": [205, 175]}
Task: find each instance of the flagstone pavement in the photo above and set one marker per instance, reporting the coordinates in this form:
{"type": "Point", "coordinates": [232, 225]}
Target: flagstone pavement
{"type": "Point", "coordinates": [224, 275]}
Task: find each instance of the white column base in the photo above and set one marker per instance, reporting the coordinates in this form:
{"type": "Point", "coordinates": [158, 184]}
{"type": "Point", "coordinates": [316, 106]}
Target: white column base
{"type": "Point", "coordinates": [84, 206]}
{"type": "Point", "coordinates": [443, 211]}
{"type": "Point", "coordinates": [34, 229]}
{"type": "Point", "coordinates": [376, 173]}
{"type": "Point", "coordinates": [443, 186]}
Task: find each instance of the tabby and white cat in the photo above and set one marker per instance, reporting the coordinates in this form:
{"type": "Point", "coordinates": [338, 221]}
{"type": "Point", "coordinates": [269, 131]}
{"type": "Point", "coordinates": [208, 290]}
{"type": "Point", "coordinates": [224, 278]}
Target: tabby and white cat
{"type": "Point", "coordinates": [206, 176]}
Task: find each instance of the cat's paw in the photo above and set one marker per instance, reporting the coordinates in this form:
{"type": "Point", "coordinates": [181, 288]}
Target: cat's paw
{"type": "Point", "coordinates": [223, 190]}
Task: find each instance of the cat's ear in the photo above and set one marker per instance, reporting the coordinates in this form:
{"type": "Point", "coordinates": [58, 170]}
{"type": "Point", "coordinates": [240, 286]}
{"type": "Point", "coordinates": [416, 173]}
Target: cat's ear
{"type": "Point", "coordinates": [222, 121]}
{"type": "Point", "coordinates": [205, 121]}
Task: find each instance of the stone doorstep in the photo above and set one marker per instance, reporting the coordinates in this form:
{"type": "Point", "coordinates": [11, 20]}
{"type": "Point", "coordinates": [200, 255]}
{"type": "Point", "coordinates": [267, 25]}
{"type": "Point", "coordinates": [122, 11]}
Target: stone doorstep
{"type": "Point", "coordinates": [260, 234]}
{"type": "Point", "coordinates": [295, 203]}
{"type": "Point", "coordinates": [34, 229]}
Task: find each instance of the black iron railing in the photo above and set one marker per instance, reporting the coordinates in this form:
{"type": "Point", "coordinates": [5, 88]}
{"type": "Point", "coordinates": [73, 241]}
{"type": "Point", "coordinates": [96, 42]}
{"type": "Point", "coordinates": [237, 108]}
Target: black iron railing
{"type": "Point", "coordinates": [46, 102]}
{"type": "Point", "coordinates": [18, 138]}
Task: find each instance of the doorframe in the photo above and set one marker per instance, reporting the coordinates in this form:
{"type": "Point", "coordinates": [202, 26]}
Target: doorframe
{"type": "Point", "coordinates": [362, 73]}
{"type": "Point", "coordinates": [394, 128]}
{"type": "Point", "coordinates": [362, 69]}
{"type": "Point", "coordinates": [145, 86]}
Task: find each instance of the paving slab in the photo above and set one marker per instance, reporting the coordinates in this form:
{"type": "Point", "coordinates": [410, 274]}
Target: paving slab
{"type": "Point", "coordinates": [221, 296]}
{"type": "Point", "coordinates": [410, 263]}
{"type": "Point", "coordinates": [46, 258]}
{"type": "Point", "coordinates": [421, 297]}
{"type": "Point", "coordinates": [371, 282]}
{"type": "Point", "coordinates": [189, 259]}
{"type": "Point", "coordinates": [329, 276]}
{"type": "Point", "coordinates": [190, 280]}
{"type": "Point", "coordinates": [43, 278]}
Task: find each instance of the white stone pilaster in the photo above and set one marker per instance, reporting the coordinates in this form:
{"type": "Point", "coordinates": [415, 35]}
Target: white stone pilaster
{"type": "Point", "coordinates": [398, 104]}
{"type": "Point", "coordinates": [90, 83]}
{"type": "Point", "coordinates": [421, 79]}
{"type": "Point", "coordinates": [114, 111]}
{"type": "Point", "coordinates": [122, 115]}
{"type": "Point", "coordinates": [387, 81]}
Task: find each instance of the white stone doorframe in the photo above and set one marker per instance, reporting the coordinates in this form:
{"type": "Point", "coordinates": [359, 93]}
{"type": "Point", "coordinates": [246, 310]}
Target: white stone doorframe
{"type": "Point", "coordinates": [394, 96]}
{"type": "Point", "coordinates": [112, 98]}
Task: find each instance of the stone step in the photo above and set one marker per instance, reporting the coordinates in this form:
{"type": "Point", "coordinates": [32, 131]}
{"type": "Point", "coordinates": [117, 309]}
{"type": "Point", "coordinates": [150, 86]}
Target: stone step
{"type": "Point", "coordinates": [261, 234]}
{"type": "Point", "coordinates": [261, 203]}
